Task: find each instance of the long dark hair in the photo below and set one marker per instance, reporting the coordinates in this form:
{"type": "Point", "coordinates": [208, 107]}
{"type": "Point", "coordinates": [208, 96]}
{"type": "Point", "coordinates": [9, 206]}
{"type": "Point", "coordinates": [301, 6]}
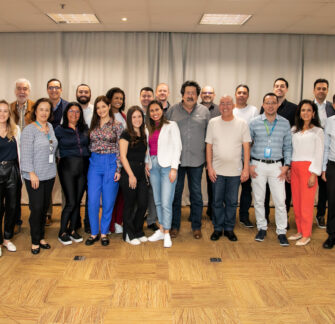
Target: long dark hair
{"type": "Point", "coordinates": [130, 128]}
{"type": "Point", "coordinates": [299, 123]}
{"type": "Point", "coordinates": [95, 118]}
{"type": "Point", "coordinates": [151, 125]}
{"type": "Point", "coordinates": [111, 92]}
{"type": "Point", "coordinates": [82, 127]}
{"type": "Point", "coordinates": [36, 104]}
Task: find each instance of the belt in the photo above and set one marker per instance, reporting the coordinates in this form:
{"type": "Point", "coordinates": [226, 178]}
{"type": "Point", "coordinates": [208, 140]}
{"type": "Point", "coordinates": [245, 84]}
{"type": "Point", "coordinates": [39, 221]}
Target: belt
{"type": "Point", "coordinates": [3, 163]}
{"type": "Point", "coordinates": [331, 162]}
{"type": "Point", "coordinates": [266, 161]}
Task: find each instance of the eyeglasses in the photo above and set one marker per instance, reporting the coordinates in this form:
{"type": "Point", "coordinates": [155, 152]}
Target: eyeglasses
{"type": "Point", "coordinates": [74, 112]}
{"type": "Point", "coordinates": [54, 88]}
{"type": "Point", "coordinates": [207, 93]}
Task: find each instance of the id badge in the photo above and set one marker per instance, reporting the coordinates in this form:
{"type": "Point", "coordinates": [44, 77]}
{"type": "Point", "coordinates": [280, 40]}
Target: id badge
{"type": "Point", "coordinates": [51, 158]}
{"type": "Point", "coordinates": [267, 152]}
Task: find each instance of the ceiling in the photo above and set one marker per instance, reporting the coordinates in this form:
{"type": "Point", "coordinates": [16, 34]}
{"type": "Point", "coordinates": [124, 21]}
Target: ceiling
{"type": "Point", "coordinates": [269, 16]}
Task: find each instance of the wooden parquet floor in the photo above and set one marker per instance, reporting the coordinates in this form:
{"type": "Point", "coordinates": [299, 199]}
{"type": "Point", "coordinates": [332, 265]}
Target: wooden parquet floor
{"type": "Point", "coordinates": [254, 283]}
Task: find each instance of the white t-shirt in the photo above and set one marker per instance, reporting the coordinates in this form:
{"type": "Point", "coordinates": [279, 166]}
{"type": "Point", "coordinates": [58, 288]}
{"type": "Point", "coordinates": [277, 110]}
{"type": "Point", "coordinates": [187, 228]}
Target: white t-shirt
{"type": "Point", "coordinates": [88, 114]}
{"type": "Point", "coordinates": [120, 119]}
{"type": "Point", "coordinates": [227, 138]}
{"type": "Point", "coordinates": [247, 113]}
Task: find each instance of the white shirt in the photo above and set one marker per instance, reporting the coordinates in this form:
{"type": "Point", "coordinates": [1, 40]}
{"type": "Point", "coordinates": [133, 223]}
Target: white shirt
{"type": "Point", "coordinates": [308, 146]}
{"type": "Point", "coordinates": [120, 119]}
{"type": "Point", "coordinates": [322, 112]}
{"type": "Point", "coordinates": [329, 151]}
{"type": "Point", "coordinates": [247, 113]}
{"type": "Point", "coordinates": [88, 113]}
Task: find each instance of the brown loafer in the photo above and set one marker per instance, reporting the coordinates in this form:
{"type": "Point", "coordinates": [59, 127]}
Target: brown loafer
{"type": "Point", "coordinates": [174, 233]}
{"type": "Point", "coordinates": [197, 234]}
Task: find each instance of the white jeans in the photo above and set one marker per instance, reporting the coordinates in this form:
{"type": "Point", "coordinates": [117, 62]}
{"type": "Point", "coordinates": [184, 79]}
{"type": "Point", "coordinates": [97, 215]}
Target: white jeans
{"type": "Point", "coordinates": [269, 173]}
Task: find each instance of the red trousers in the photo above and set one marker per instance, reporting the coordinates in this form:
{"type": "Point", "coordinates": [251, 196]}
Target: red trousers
{"type": "Point", "coordinates": [302, 197]}
{"type": "Point", "coordinates": [117, 211]}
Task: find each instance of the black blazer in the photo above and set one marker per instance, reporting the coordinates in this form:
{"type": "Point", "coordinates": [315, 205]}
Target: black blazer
{"type": "Point", "coordinates": [330, 111]}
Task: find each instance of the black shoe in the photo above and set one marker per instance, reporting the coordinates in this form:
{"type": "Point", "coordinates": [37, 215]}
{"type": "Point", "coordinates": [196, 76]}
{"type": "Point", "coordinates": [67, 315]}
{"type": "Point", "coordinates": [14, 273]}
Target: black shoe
{"type": "Point", "coordinates": [75, 237]}
{"type": "Point", "coordinates": [65, 239]}
{"type": "Point", "coordinates": [45, 246]}
{"type": "Point", "coordinates": [216, 235]}
{"type": "Point", "coordinates": [329, 243]}
{"type": "Point", "coordinates": [320, 220]}
{"type": "Point", "coordinates": [231, 235]}
{"type": "Point", "coordinates": [91, 240]}
{"type": "Point", "coordinates": [260, 236]}
{"type": "Point", "coordinates": [246, 223]}
{"type": "Point", "coordinates": [283, 240]}
{"type": "Point", "coordinates": [104, 241]}
{"type": "Point", "coordinates": [153, 227]}
{"type": "Point", "coordinates": [35, 251]}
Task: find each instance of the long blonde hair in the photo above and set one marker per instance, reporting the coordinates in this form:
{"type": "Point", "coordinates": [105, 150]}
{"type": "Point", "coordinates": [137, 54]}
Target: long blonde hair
{"type": "Point", "coordinates": [11, 126]}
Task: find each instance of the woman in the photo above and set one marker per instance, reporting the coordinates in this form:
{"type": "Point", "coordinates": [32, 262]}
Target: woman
{"type": "Point", "coordinates": [10, 180]}
{"type": "Point", "coordinates": [72, 136]}
{"type": "Point", "coordinates": [133, 146]}
{"type": "Point", "coordinates": [38, 166]}
{"type": "Point", "coordinates": [117, 99]}
{"type": "Point", "coordinates": [165, 149]}
{"type": "Point", "coordinates": [307, 142]}
{"type": "Point", "coordinates": [104, 168]}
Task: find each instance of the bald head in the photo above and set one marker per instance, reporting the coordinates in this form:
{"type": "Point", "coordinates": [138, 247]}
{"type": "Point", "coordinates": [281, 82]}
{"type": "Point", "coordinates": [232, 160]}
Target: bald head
{"type": "Point", "coordinates": [207, 96]}
{"type": "Point", "coordinates": [226, 107]}
{"type": "Point", "coordinates": [162, 93]}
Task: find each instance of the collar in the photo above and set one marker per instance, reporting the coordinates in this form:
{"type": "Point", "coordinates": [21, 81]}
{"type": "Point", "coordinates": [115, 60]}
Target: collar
{"type": "Point", "coordinates": [324, 103]}
{"type": "Point", "coordinates": [211, 107]}
{"type": "Point", "coordinates": [263, 117]}
{"type": "Point", "coordinates": [24, 105]}
{"type": "Point", "coordinates": [58, 104]}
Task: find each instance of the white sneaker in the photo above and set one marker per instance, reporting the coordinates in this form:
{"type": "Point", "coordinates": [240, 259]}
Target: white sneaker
{"type": "Point", "coordinates": [167, 240]}
{"type": "Point", "coordinates": [0, 252]}
{"type": "Point", "coordinates": [118, 228]}
{"type": "Point", "coordinates": [143, 239]}
{"type": "Point", "coordinates": [134, 241]}
{"type": "Point", "coordinates": [158, 235]}
{"type": "Point", "coordinates": [10, 247]}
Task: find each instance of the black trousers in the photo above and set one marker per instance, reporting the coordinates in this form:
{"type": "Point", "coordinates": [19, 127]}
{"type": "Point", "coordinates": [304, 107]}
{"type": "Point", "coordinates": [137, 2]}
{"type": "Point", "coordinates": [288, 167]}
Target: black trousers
{"type": "Point", "coordinates": [10, 182]}
{"type": "Point", "coordinates": [330, 175]}
{"type": "Point", "coordinates": [133, 220]}
{"type": "Point", "coordinates": [322, 199]}
{"type": "Point", "coordinates": [39, 200]}
{"type": "Point", "coordinates": [245, 200]}
{"type": "Point", "coordinates": [72, 173]}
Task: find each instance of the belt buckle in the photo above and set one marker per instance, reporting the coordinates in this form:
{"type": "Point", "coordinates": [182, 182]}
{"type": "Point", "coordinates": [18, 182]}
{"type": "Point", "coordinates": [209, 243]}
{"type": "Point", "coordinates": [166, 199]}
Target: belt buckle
{"type": "Point", "coordinates": [3, 163]}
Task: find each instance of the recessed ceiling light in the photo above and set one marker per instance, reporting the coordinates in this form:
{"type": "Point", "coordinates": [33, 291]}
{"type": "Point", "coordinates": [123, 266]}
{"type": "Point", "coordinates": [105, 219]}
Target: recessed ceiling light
{"type": "Point", "coordinates": [124, 19]}
{"type": "Point", "coordinates": [73, 18]}
{"type": "Point", "coordinates": [224, 19]}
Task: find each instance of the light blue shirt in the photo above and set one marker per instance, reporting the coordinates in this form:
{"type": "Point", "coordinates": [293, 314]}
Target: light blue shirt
{"type": "Point", "coordinates": [280, 140]}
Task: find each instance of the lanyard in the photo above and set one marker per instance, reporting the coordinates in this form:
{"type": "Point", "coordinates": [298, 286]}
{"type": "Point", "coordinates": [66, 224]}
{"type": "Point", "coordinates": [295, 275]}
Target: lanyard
{"type": "Point", "coordinates": [48, 135]}
{"type": "Point", "coordinates": [267, 127]}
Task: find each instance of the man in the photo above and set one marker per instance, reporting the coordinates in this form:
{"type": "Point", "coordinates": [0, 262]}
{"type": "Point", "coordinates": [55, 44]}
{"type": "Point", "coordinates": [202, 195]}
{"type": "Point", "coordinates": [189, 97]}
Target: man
{"type": "Point", "coordinates": [162, 94]}
{"type": "Point", "coordinates": [325, 110]}
{"type": "Point", "coordinates": [246, 112]}
{"type": "Point", "coordinates": [192, 119]}
{"type": "Point", "coordinates": [226, 135]}
{"type": "Point", "coordinates": [287, 110]}
{"type": "Point", "coordinates": [21, 109]}
{"type": "Point", "coordinates": [83, 95]}
{"type": "Point", "coordinates": [271, 136]}
{"type": "Point", "coordinates": [146, 96]}
{"type": "Point", "coordinates": [207, 96]}
{"type": "Point", "coordinates": [54, 89]}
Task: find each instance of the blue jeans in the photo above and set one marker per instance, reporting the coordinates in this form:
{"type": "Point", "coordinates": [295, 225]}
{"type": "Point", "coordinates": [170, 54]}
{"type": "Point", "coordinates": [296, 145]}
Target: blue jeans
{"type": "Point", "coordinates": [100, 181]}
{"type": "Point", "coordinates": [163, 191]}
{"type": "Point", "coordinates": [225, 195]}
{"type": "Point", "coordinates": [194, 175]}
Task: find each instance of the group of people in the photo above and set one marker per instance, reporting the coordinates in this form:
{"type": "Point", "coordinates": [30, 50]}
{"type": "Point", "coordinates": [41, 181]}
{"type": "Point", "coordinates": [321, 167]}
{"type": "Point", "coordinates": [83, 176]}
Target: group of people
{"type": "Point", "coordinates": [136, 163]}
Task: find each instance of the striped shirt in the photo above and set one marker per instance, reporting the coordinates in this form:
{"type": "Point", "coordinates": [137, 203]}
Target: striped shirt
{"type": "Point", "coordinates": [35, 151]}
{"type": "Point", "coordinates": [280, 140]}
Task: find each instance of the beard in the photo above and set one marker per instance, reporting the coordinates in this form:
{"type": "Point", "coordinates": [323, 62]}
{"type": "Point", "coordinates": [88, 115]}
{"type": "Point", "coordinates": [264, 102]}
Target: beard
{"type": "Point", "coordinates": [83, 100]}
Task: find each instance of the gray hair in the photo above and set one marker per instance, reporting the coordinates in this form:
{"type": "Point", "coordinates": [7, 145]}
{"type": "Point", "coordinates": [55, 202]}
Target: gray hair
{"type": "Point", "coordinates": [22, 80]}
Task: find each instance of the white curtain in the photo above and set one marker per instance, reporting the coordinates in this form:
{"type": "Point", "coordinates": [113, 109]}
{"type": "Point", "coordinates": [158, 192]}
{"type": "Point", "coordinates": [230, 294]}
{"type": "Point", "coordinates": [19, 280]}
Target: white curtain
{"type": "Point", "coordinates": [132, 60]}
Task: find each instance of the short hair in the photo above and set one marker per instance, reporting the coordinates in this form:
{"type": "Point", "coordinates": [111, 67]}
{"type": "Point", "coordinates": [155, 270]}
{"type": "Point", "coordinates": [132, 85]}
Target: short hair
{"type": "Point", "coordinates": [281, 79]}
{"type": "Point", "coordinates": [83, 85]}
{"type": "Point", "coordinates": [190, 84]}
{"type": "Point", "coordinates": [54, 79]}
{"type": "Point", "coordinates": [111, 92]}
{"type": "Point", "coordinates": [147, 89]}
{"type": "Point", "coordinates": [242, 86]}
{"type": "Point", "coordinates": [22, 80]}
{"type": "Point", "coordinates": [321, 81]}
{"type": "Point", "coordinates": [81, 122]}
{"type": "Point", "coordinates": [36, 104]}
{"type": "Point", "coordinates": [270, 94]}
